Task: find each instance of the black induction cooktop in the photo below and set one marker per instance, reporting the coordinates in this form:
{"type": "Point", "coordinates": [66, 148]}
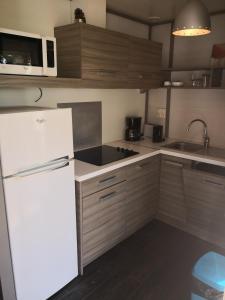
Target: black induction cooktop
{"type": "Point", "coordinates": [103, 155]}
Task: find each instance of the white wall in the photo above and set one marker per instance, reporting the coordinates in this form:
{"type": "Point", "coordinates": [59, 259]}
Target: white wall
{"type": "Point", "coordinates": [95, 11]}
{"type": "Point", "coordinates": [208, 105]}
{"type": "Point", "coordinates": [34, 16]}
{"type": "Point", "coordinates": [40, 17]}
{"type": "Point", "coordinates": [187, 104]}
{"type": "Point", "coordinates": [126, 26]}
{"type": "Point", "coordinates": [116, 104]}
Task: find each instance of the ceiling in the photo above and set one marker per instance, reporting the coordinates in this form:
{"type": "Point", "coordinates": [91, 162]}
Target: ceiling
{"type": "Point", "coordinates": [165, 9]}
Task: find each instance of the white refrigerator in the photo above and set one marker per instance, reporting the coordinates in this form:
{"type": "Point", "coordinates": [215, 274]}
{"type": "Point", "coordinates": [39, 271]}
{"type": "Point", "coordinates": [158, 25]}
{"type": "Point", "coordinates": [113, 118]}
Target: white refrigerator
{"type": "Point", "coordinates": [38, 242]}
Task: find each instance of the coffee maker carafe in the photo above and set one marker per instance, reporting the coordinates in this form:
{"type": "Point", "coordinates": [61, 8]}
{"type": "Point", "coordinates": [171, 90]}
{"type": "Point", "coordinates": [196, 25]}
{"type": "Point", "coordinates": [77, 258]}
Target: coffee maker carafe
{"type": "Point", "coordinates": [133, 129]}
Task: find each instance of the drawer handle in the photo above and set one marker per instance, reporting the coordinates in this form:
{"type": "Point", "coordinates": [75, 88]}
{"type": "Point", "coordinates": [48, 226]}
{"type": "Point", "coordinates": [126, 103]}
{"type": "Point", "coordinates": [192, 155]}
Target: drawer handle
{"type": "Point", "coordinates": [106, 72]}
{"type": "Point", "coordinates": [213, 182]}
{"type": "Point", "coordinates": [107, 179]}
{"type": "Point", "coordinates": [173, 163]}
{"type": "Point", "coordinates": [138, 167]}
{"type": "Point", "coordinates": [108, 196]}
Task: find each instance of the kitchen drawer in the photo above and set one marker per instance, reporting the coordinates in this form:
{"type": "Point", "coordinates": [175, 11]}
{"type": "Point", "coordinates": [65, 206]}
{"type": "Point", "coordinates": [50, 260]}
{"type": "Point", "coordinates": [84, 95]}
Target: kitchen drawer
{"type": "Point", "coordinates": [102, 182]}
{"type": "Point", "coordinates": [103, 206]}
{"type": "Point", "coordinates": [149, 166]}
{"type": "Point", "coordinates": [103, 247]}
{"type": "Point", "coordinates": [103, 233]}
{"type": "Point", "coordinates": [102, 217]}
{"type": "Point", "coordinates": [173, 161]}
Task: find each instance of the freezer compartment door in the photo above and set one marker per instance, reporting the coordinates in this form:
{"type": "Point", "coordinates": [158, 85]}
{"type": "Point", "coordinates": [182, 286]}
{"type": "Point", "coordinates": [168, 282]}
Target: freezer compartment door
{"type": "Point", "coordinates": [42, 230]}
{"type": "Point", "coordinates": [29, 139]}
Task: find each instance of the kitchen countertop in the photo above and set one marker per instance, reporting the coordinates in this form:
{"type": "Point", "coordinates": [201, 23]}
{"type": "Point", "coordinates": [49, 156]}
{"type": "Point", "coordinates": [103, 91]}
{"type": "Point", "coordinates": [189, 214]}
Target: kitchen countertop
{"type": "Point", "coordinates": [146, 149]}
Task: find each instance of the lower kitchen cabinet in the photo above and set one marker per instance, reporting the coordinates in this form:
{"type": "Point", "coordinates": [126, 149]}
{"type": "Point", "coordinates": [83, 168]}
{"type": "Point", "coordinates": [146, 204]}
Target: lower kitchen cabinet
{"type": "Point", "coordinates": [172, 203]}
{"type": "Point", "coordinates": [109, 213]}
{"type": "Point", "coordinates": [193, 200]}
{"type": "Point", "coordinates": [206, 205]}
{"type": "Point", "coordinates": [142, 193]}
{"type": "Point", "coordinates": [103, 221]}
{"type": "Point", "coordinates": [180, 192]}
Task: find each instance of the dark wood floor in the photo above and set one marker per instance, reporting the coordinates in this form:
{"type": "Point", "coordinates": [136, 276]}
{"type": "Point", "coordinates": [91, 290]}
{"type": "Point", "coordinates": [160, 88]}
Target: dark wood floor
{"type": "Point", "coordinates": [153, 264]}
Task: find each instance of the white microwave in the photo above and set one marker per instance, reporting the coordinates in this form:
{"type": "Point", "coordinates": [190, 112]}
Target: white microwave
{"type": "Point", "coordinates": [24, 53]}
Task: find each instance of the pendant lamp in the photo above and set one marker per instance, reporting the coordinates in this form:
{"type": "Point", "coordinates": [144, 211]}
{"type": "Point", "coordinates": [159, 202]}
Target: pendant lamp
{"type": "Point", "coordinates": [192, 20]}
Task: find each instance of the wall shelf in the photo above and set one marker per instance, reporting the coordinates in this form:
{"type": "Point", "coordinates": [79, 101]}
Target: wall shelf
{"type": "Point", "coordinates": [193, 88]}
{"type": "Point", "coordinates": [18, 81]}
{"type": "Point", "coordinates": [186, 69]}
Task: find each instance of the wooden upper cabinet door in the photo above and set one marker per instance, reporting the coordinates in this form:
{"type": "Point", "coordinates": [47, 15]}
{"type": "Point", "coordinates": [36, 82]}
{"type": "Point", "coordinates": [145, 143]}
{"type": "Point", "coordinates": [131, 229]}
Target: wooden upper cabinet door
{"type": "Point", "coordinates": [144, 63]}
{"type": "Point", "coordinates": [68, 43]}
{"type": "Point", "coordinates": [91, 52]}
{"type": "Point", "coordinates": [104, 54]}
{"type": "Point", "coordinates": [116, 59]}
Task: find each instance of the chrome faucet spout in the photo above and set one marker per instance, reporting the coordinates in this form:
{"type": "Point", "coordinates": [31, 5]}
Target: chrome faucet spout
{"type": "Point", "coordinates": [205, 132]}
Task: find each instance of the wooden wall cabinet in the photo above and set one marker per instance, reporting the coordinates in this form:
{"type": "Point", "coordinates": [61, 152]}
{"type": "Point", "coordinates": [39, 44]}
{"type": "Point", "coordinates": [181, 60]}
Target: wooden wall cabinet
{"type": "Point", "coordinates": [93, 53]}
{"type": "Point", "coordinates": [113, 206]}
{"type": "Point", "coordinates": [144, 63]}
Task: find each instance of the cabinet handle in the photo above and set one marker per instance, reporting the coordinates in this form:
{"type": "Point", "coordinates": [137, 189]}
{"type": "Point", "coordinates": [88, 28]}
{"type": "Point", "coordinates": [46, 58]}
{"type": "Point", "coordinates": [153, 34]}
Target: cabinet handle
{"type": "Point", "coordinates": [108, 196]}
{"type": "Point", "coordinates": [107, 179]}
{"type": "Point", "coordinates": [106, 72]}
{"type": "Point", "coordinates": [213, 182]}
{"type": "Point", "coordinates": [140, 76]}
{"type": "Point", "coordinates": [138, 167]}
{"type": "Point", "coordinates": [173, 163]}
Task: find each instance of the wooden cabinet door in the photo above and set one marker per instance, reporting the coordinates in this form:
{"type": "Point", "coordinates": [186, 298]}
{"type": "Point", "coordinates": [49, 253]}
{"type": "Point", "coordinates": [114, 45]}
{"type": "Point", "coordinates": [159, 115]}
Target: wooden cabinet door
{"type": "Point", "coordinates": [104, 54]}
{"type": "Point", "coordinates": [103, 221]}
{"type": "Point", "coordinates": [172, 207]}
{"type": "Point", "coordinates": [205, 194]}
{"type": "Point", "coordinates": [144, 63]}
{"type": "Point", "coordinates": [142, 193]}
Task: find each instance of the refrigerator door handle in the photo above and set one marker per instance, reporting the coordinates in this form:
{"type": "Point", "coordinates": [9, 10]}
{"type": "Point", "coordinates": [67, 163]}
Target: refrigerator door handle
{"type": "Point", "coordinates": [45, 169]}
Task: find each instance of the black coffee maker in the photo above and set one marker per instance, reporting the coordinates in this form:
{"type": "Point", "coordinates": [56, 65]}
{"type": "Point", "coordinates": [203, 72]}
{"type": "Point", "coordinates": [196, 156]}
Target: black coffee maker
{"type": "Point", "coordinates": [133, 129]}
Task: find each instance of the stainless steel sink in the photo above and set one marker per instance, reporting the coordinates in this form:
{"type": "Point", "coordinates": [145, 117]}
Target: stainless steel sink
{"type": "Point", "coordinates": [184, 146]}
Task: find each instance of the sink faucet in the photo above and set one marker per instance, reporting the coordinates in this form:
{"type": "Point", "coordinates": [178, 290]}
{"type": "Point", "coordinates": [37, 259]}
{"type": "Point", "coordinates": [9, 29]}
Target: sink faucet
{"type": "Point", "coordinates": [205, 134]}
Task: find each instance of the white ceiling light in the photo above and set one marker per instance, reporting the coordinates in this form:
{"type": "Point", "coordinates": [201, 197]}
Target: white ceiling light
{"type": "Point", "coordinates": [193, 20]}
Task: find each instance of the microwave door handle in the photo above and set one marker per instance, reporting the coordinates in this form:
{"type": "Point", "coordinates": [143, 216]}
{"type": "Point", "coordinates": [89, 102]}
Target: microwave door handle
{"type": "Point", "coordinates": [44, 55]}
{"type": "Point", "coordinates": [55, 55]}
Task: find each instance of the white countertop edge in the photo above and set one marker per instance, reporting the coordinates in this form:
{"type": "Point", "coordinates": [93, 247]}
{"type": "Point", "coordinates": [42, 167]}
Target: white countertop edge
{"type": "Point", "coordinates": [212, 161]}
{"type": "Point", "coordinates": [116, 166]}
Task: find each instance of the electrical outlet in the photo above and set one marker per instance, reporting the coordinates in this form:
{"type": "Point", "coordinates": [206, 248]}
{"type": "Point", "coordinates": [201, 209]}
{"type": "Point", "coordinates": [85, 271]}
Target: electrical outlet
{"type": "Point", "coordinates": [161, 112]}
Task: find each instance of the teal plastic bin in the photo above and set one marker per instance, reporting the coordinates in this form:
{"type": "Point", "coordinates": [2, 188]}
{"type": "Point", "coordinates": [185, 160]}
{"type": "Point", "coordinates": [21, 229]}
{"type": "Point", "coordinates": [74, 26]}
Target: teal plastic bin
{"type": "Point", "coordinates": [209, 277]}
{"type": "Point", "coordinates": [196, 297]}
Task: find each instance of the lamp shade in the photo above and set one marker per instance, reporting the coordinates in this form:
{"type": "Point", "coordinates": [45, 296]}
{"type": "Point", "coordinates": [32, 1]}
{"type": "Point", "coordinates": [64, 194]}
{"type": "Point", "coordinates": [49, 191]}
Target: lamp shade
{"type": "Point", "coordinates": [192, 20]}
